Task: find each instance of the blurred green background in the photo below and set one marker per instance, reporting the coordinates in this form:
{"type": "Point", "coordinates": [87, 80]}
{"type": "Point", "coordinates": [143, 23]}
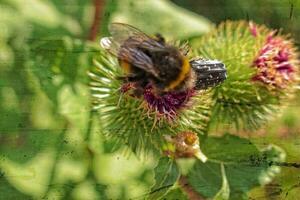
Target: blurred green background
{"type": "Point", "coordinates": [49, 147]}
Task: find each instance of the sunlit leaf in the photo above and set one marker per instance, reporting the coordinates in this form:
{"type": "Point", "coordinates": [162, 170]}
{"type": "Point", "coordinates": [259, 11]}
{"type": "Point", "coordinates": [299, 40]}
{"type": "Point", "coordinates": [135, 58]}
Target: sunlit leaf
{"type": "Point", "coordinates": [237, 160]}
{"type": "Point", "coordinates": [7, 191]}
{"type": "Point", "coordinates": [166, 174]}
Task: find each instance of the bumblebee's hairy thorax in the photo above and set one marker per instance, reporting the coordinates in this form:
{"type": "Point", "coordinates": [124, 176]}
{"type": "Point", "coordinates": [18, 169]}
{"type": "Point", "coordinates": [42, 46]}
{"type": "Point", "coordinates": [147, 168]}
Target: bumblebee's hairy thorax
{"type": "Point", "coordinates": [171, 66]}
{"type": "Point", "coordinates": [168, 64]}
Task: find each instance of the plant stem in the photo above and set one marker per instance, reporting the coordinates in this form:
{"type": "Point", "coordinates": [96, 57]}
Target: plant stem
{"type": "Point", "coordinates": [191, 193]}
{"type": "Point", "coordinates": [89, 125]}
{"type": "Point", "coordinates": [98, 5]}
{"type": "Point", "coordinates": [57, 156]}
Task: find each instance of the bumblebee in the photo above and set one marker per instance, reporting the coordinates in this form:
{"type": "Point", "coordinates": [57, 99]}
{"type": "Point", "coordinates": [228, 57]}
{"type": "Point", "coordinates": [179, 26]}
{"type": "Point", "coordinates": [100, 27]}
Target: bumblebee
{"type": "Point", "coordinates": [148, 60]}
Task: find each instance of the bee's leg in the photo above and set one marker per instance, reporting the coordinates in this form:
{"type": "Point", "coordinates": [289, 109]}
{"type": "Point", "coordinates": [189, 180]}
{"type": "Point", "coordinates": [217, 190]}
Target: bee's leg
{"type": "Point", "coordinates": [125, 87]}
{"type": "Point", "coordinates": [138, 92]}
{"type": "Point", "coordinates": [122, 78]}
{"type": "Point", "coordinates": [129, 78]}
{"type": "Point", "coordinates": [140, 86]}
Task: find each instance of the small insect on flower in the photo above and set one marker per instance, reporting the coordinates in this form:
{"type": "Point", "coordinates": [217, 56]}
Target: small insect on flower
{"type": "Point", "coordinates": [151, 61]}
{"type": "Point", "coordinates": [185, 145]}
{"type": "Point", "coordinates": [209, 73]}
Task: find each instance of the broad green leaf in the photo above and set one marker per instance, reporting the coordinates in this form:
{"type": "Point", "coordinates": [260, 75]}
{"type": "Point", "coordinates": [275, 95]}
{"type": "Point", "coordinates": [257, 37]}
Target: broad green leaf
{"type": "Point", "coordinates": [161, 16]}
{"type": "Point", "coordinates": [206, 178]}
{"type": "Point", "coordinates": [229, 148]}
{"type": "Point", "coordinates": [234, 162]}
{"type": "Point", "coordinates": [166, 174]}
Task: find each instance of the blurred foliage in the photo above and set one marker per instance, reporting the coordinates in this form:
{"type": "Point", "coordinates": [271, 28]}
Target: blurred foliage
{"type": "Point", "coordinates": [277, 14]}
{"type": "Point", "coordinates": [160, 16]}
{"type": "Point", "coordinates": [44, 60]}
{"type": "Point", "coordinates": [166, 175]}
{"type": "Point", "coordinates": [49, 148]}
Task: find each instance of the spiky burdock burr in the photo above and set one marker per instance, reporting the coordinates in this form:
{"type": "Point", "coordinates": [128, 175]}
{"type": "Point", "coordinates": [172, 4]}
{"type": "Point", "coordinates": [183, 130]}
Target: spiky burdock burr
{"type": "Point", "coordinates": [262, 68]}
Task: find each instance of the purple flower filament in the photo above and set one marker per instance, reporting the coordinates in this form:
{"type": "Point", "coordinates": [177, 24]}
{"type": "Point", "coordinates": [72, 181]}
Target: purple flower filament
{"type": "Point", "coordinates": [275, 62]}
{"type": "Point", "coordinates": [169, 103]}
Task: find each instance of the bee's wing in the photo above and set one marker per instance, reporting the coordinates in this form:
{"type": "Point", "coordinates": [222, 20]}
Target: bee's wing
{"type": "Point", "coordinates": [139, 59]}
{"type": "Point", "coordinates": [123, 44]}
{"type": "Point", "coordinates": [121, 32]}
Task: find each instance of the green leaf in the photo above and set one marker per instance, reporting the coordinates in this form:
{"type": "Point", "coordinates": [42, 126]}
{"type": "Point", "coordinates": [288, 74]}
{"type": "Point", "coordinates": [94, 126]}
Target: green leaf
{"type": "Point", "coordinates": [60, 62]}
{"type": "Point", "coordinates": [161, 16]}
{"type": "Point", "coordinates": [175, 194]}
{"type": "Point", "coordinates": [235, 165]}
{"type": "Point", "coordinates": [224, 149]}
{"type": "Point", "coordinates": [206, 178]}
{"type": "Point", "coordinates": [46, 19]}
{"type": "Point", "coordinates": [7, 191]}
{"type": "Point", "coordinates": [22, 147]}
{"type": "Point", "coordinates": [166, 174]}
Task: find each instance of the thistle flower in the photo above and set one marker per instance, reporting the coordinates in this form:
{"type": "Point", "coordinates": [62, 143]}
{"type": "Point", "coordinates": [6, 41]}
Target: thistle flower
{"type": "Point", "coordinates": [140, 122]}
{"type": "Point", "coordinates": [185, 145]}
{"type": "Point", "coordinates": [276, 62]}
{"type": "Point", "coordinates": [253, 54]}
{"type": "Point", "coordinates": [166, 105]}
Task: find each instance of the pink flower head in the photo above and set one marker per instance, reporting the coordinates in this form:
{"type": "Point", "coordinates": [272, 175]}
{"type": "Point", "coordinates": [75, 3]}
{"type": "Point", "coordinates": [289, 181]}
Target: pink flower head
{"type": "Point", "coordinates": [276, 62]}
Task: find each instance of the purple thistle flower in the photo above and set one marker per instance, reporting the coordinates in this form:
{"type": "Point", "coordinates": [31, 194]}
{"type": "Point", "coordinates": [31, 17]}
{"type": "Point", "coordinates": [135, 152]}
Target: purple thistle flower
{"type": "Point", "coordinates": [169, 103]}
{"type": "Point", "coordinates": [276, 62]}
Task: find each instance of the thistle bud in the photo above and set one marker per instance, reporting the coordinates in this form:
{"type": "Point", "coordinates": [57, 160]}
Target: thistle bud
{"type": "Point", "coordinates": [186, 145]}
